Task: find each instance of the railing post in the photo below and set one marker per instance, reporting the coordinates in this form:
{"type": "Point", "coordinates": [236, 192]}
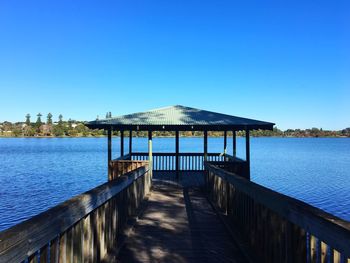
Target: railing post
{"type": "Point", "coordinates": [234, 144]}
{"type": "Point", "coordinates": [109, 158]}
{"type": "Point", "coordinates": [247, 153]}
{"type": "Point", "coordinates": [150, 159]}
{"type": "Point", "coordinates": [177, 153]}
{"type": "Point", "coordinates": [205, 145]}
{"type": "Point", "coordinates": [130, 144]}
{"type": "Point", "coordinates": [121, 143]}
{"type": "Point", "coordinates": [225, 143]}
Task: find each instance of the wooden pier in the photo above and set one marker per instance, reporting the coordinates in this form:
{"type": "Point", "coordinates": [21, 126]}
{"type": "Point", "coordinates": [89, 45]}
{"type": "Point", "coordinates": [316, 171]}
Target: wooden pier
{"type": "Point", "coordinates": [179, 225]}
{"type": "Point", "coordinates": [179, 207]}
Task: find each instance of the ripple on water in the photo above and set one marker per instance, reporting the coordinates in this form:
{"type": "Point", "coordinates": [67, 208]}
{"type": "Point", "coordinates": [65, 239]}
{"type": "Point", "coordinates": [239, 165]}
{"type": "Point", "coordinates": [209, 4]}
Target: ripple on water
{"type": "Point", "coordinates": [36, 174]}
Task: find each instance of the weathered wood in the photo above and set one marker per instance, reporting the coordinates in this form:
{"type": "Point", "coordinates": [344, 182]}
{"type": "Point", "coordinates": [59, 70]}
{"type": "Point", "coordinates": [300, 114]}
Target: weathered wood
{"type": "Point", "coordinates": [62, 248]}
{"type": "Point", "coordinates": [30, 236]}
{"type": "Point", "coordinates": [130, 142]}
{"type": "Point", "coordinates": [179, 225]}
{"type": "Point", "coordinates": [44, 254]}
{"type": "Point", "coordinates": [205, 145]}
{"type": "Point", "coordinates": [109, 152]}
{"type": "Point", "coordinates": [247, 153]}
{"type": "Point", "coordinates": [234, 144]}
{"type": "Point", "coordinates": [150, 152]}
{"type": "Point", "coordinates": [54, 250]}
{"type": "Point", "coordinates": [121, 143]}
{"type": "Point", "coordinates": [276, 208]}
{"type": "Point", "coordinates": [225, 142]}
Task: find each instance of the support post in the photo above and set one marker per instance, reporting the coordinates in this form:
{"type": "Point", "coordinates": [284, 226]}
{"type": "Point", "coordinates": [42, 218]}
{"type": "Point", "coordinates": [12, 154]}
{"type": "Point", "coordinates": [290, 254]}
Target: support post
{"type": "Point", "coordinates": [121, 143]}
{"type": "Point", "coordinates": [205, 145]}
{"type": "Point", "coordinates": [234, 144]}
{"type": "Point", "coordinates": [130, 143]}
{"type": "Point", "coordinates": [109, 153]}
{"type": "Point", "coordinates": [247, 152]}
{"type": "Point", "coordinates": [177, 163]}
{"type": "Point", "coordinates": [225, 142]}
{"type": "Point", "coordinates": [150, 159]}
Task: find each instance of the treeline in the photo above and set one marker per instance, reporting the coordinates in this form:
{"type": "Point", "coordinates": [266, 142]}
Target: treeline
{"type": "Point", "coordinates": [73, 128]}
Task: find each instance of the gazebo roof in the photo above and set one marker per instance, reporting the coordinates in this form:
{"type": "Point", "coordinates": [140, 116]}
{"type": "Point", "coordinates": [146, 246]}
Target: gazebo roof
{"type": "Point", "coordinates": [179, 118]}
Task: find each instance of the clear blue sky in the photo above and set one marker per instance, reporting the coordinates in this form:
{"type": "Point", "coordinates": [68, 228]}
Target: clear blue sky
{"type": "Point", "coordinates": [284, 61]}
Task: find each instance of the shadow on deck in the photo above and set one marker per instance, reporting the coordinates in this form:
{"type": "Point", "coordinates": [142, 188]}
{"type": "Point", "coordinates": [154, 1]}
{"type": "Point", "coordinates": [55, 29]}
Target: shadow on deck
{"type": "Point", "coordinates": [179, 225]}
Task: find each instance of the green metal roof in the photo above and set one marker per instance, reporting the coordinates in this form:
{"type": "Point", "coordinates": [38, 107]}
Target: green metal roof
{"type": "Point", "coordinates": [178, 118]}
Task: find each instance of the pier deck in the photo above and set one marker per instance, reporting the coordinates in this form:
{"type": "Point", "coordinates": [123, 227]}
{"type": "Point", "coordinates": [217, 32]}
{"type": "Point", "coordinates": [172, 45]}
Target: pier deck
{"type": "Point", "coordinates": [179, 225]}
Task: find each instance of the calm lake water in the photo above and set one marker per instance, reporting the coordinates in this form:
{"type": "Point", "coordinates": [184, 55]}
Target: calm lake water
{"type": "Point", "coordinates": [36, 174]}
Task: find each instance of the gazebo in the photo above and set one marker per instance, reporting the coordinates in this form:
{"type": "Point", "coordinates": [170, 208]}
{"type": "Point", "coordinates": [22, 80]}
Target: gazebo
{"type": "Point", "coordinates": [179, 118]}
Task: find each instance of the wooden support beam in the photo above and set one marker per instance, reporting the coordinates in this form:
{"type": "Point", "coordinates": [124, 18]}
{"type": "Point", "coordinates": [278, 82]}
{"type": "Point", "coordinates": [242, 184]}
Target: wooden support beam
{"type": "Point", "coordinates": [130, 142]}
{"type": "Point", "coordinates": [234, 144]}
{"type": "Point", "coordinates": [150, 159]}
{"type": "Point", "coordinates": [121, 143]}
{"type": "Point", "coordinates": [247, 152]}
{"type": "Point", "coordinates": [225, 142]}
{"type": "Point", "coordinates": [205, 145]}
{"type": "Point", "coordinates": [177, 147]}
{"type": "Point", "coordinates": [109, 153]}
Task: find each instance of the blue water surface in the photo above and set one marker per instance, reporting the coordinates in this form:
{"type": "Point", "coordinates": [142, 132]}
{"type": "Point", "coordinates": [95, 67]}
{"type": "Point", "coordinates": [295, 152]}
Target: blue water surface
{"type": "Point", "coordinates": [38, 173]}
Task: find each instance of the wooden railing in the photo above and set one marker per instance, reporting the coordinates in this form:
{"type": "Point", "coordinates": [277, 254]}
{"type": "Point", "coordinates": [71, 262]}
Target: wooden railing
{"type": "Point", "coordinates": [121, 166]}
{"type": "Point", "coordinates": [275, 227]}
{"type": "Point", "coordinates": [187, 161]}
{"type": "Point", "coordinates": [85, 228]}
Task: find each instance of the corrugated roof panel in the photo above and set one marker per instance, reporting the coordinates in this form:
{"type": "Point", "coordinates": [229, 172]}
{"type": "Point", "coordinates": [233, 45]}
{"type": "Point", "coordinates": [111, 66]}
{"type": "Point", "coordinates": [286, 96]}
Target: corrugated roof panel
{"type": "Point", "coordinates": [178, 115]}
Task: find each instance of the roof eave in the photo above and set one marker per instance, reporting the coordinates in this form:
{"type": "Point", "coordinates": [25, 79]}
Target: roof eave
{"type": "Point", "coordinates": [267, 126]}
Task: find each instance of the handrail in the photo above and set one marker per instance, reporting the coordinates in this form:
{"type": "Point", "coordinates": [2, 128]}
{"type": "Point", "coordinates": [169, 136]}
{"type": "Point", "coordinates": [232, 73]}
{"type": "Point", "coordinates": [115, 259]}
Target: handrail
{"type": "Point", "coordinates": [174, 154]}
{"type": "Point", "coordinates": [124, 157]}
{"type": "Point", "coordinates": [88, 215]}
{"type": "Point", "coordinates": [165, 161]}
{"type": "Point", "coordinates": [246, 202]}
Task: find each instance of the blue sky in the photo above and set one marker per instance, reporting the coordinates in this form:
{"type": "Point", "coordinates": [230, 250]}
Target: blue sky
{"type": "Point", "coordinates": [282, 61]}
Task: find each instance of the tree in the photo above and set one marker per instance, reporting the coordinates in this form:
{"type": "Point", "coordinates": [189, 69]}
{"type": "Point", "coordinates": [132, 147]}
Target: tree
{"type": "Point", "coordinates": [49, 118]}
{"type": "Point", "coordinates": [28, 119]}
{"type": "Point", "coordinates": [70, 123]}
{"type": "Point", "coordinates": [58, 130]}
{"type": "Point", "coordinates": [38, 121]}
{"type": "Point", "coordinates": [60, 120]}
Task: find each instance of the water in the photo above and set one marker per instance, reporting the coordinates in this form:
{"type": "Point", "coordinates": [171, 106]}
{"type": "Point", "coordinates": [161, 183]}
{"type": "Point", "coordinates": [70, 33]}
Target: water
{"type": "Point", "coordinates": [38, 173]}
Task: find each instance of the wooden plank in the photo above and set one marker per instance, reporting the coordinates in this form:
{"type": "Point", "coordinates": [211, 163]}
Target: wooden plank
{"type": "Point", "coordinates": [44, 254]}
{"type": "Point", "coordinates": [62, 248]}
{"type": "Point", "coordinates": [33, 259]}
{"type": "Point", "coordinates": [87, 243]}
{"type": "Point", "coordinates": [247, 153]}
{"type": "Point", "coordinates": [225, 142]}
{"type": "Point", "coordinates": [150, 152]}
{"type": "Point", "coordinates": [234, 143]}
{"type": "Point", "coordinates": [54, 250]}
{"type": "Point", "coordinates": [130, 142]}
{"type": "Point", "coordinates": [109, 153]}
{"type": "Point", "coordinates": [205, 145]}
{"type": "Point", "coordinates": [121, 143]}
{"type": "Point", "coordinates": [78, 242]}
{"type": "Point", "coordinates": [178, 226]}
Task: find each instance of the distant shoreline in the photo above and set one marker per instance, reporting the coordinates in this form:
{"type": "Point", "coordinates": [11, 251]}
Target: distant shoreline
{"type": "Point", "coordinates": [116, 136]}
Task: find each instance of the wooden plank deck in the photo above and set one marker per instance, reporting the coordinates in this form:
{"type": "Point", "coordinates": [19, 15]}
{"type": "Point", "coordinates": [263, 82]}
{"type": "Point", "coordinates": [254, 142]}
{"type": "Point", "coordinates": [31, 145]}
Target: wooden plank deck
{"type": "Point", "coordinates": [178, 225]}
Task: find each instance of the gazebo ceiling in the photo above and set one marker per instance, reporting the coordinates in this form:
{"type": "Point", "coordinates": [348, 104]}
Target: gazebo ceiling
{"type": "Point", "coordinates": [179, 118]}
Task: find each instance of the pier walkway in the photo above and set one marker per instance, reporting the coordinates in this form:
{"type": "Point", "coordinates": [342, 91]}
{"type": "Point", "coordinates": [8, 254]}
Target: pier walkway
{"type": "Point", "coordinates": [179, 225]}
